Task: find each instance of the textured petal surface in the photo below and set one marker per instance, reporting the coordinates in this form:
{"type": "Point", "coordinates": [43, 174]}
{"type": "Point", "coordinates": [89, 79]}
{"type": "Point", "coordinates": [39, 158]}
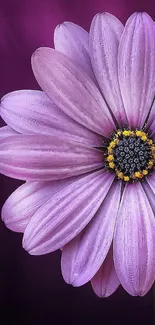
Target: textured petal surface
{"type": "Point", "coordinates": [151, 122]}
{"type": "Point", "coordinates": [62, 217]}
{"type": "Point", "coordinates": [105, 282]}
{"type": "Point", "coordinates": [151, 119]}
{"type": "Point", "coordinates": [72, 90]}
{"type": "Point", "coordinates": [84, 255]}
{"type": "Point", "coordinates": [136, 62]}
{"type": "Point", "coordinates": [21, 205]}
{"type": "Point", "coordinates": [41, 157]}
{"type": "Point", "coordinates": [152, 130]}
{"type": "Point", "coordinates": [149, 187]}
{"type": "Point", "coordinates": [105, 34]}
{"type": "Point", "coordinates": [31, 111]}
{"type": "Point", "coordinates": [72, 40]}
{"type": "Point", "coordinates": [6, 131]}
{"type": "Point", "coordinates": [134, 241]}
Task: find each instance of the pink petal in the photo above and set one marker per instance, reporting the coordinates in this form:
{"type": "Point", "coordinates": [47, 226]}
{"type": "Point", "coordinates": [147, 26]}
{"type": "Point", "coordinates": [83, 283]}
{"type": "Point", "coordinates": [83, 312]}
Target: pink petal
{"type": "Point", "coordinates": [72, 40]}
{"type": "Point", "coordinates": [31, 111]}
{"type": "Point", "coordinates": [63, 216]}
{"type": "Point", "coordinates": [134, 241]}
{"type": "Point", "coordinates": [21, 205]}
{"type": "Point", "coordinates": [84, 255]}
{"type": "Point", "coordinates": [41, 157]}
{"type": "Point", "coordinates": [6, 131]}
{"type": "Point", "coordinates": [105, 282]}
{"type": "Point", "coordinates": [72, 90]}
{"type": "Point", "coordinates": [136, 63]}
{"type": "Point", "coordinates": [149, 187]}
{"type": "Point", "coordinates": [105, 34]}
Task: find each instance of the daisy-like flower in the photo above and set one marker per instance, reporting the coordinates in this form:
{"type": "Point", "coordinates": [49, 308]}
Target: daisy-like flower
{"type": "Point", "coordinates": [85, 147]}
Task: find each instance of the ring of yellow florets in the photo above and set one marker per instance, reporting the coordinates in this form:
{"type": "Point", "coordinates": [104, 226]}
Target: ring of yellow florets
{"type": "Point", "coordinates": [131, 154]}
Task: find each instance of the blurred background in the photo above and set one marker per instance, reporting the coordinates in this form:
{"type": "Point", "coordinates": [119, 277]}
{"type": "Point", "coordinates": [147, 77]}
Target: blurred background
{"type": "Point", "coordinates": [32, 290]}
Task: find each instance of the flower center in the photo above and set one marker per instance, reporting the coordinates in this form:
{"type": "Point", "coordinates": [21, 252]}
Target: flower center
{"type": "Point", "coordinates": [131, 154]}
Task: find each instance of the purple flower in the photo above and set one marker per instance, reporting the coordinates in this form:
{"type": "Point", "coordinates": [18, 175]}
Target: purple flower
{"type": "Point", "coordinates": [85, 147]}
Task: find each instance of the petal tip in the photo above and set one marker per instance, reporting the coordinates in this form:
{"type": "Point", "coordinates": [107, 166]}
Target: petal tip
{"type": "Point", "coordinates": [72, 279]}
{"type": "Point", "coordinates": [26, 245]}
{"type": "Point", "coordinates": [104, 15]}
{"type": "Point", "coordinates": [59, 27]}
{"type": "Point", "coordinates": [4, 97]}
{"type": "Point", "coordinates": [39, 51]}
{"type": "Point", "coordinates": [64, 24]}
{"type": "Point", "coordinates": [36, 52]}
{"type": "Point", "coordinates": [140, 16]}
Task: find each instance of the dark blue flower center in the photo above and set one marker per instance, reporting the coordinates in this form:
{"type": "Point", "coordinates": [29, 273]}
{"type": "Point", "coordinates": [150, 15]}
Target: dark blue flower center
{"type": "Point", "coordinates": [130, 154]}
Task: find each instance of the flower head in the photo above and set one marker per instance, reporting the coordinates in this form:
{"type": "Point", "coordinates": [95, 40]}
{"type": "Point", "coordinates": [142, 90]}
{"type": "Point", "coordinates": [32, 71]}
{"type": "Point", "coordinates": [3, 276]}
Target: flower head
{"type": "Point", "coordinates": [85, 147]}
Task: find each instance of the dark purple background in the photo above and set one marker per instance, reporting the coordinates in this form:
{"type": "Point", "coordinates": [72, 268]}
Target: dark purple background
{"type": "Point", "coordinates": [32, 290]}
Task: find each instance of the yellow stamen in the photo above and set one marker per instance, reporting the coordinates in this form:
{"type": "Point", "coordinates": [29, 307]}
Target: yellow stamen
{"type": "Point", "coordinates": [144, 137]}
{"type": "Point", "coordinates": [112, 144]}
{"type": "Point", "coordinates": [126, 178]}
{"type": "Point", "coordinates": [116, 141]}
{"type": "Point", "coordinates": [150, 141]}
{"type": "Point", "coordinates": [112, 165]}
{"type": "Point", "coordinates": [110, 158]}
{"type": "Point", "coordinates": [145, 172]}
{"type": "Point", "coordinates": [110, 150]}
{"type": "Point", "coordinates": [150, 164]}
{"type": "Point", "coordinates": [128, 133]}
{"type": "Point", "coordinates": [120, 175]}
{"type": "Point", "coordinates": [139, 133]}
{"type": "Point", "coordinates": [138, 174]}
{"type": "Point", "coordinates": [153, 152]}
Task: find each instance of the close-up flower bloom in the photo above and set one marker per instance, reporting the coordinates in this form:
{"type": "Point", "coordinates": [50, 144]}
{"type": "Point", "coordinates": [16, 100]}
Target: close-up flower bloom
{"type": "Point", "coordinates": [85, 147]}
